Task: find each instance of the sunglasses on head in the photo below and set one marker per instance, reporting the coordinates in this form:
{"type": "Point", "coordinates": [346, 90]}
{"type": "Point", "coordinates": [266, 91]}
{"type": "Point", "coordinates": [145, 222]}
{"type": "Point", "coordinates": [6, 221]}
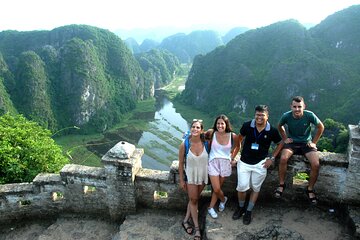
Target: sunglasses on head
{"type": "Point", "coordinates": [197, 120]}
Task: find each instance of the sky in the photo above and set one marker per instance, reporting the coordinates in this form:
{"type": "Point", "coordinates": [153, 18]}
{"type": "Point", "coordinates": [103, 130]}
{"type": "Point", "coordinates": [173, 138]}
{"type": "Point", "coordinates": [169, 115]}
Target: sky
{"type": "Point", "coordinates": [28, 15]}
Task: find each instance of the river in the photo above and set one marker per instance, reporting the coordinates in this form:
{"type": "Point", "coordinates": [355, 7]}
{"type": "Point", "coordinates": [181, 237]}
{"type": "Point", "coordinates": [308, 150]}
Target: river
{"type": "Point", "coordinates": [165, 132]}
{"type": "Point", "coordinates": [160, 141]}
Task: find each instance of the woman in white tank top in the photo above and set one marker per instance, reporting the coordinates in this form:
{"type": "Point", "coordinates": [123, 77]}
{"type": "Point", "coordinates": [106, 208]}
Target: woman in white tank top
{"type": "Point", "coordinates": [224, 148]}
{"type": "Point", "coordinates": [196, 175]}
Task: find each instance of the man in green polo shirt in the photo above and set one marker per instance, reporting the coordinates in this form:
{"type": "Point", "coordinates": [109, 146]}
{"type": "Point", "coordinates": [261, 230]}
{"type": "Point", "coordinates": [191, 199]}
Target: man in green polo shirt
{"type": "Point", "coordinates": [298, 140]}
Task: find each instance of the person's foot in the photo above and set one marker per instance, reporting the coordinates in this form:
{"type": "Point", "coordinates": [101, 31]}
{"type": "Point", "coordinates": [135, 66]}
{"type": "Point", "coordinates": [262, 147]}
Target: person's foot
{"type": "Point", "coordinates": [222, 205]}
{"type": "Point", "coordinates": [212, 213]}
{"type": "Point", "coordinates": [187, 227]}
{"type": "Point", "coordinates": [247, 218]}
{"type": "Point", "coordinates": [238, 213]}
{"type": "Point", "coordinates": [279, 190]}
{"type": "Point", "coordinates": [311, 196]}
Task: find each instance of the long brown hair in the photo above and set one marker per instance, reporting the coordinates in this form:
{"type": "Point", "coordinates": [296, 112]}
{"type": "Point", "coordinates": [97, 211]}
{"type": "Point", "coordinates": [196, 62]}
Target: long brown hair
{"type": "Point", "coordinates": [227, 122]}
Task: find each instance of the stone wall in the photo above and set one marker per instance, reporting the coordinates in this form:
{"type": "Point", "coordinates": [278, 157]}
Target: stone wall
{"type": "Point", "coordinates": [122, 185]}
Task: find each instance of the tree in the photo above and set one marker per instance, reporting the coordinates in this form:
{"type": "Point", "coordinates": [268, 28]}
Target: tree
{"type": "Point", "coordinates": [26, 149]}
{"type": "Point", "coordinates": [335, 137]}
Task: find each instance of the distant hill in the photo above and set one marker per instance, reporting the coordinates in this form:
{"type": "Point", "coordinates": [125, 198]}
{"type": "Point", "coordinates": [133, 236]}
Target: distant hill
{"type": "Point", "coordinates": [159, 65]}
{"type": "Point", "coordinates": [186, 46]}
{"type": "Point", "coordinates": [158, 34]}
{"type": "Point", "coordinates": [148, 44]}
{"type": "Point", "coordinates": [133, 45]}
{"type": "Point", "coordinates": [269, 65]}
{"type": "Point", "coordinates": [232, 33]}
{"type": "Point", "coordinates": [145, 46]}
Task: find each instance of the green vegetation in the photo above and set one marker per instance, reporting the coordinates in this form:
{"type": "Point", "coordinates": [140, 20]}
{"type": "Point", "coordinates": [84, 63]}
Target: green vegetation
{"type": "Point", "coordinates": [335, 137]}
{"type": "Point", "coordinates": [81, 75]}
{"type": "Point", "coordinates": [26, 149]}
{"type": "Point", "coordinates": [159, 65]}
{"type": "Point", "coordinates": [137, 118]}
{"type": "Point", "coordinates": [176, 86]}
{"type": "Point", "coordinates": [33, 102]}
{"type": "Point", "coordinates": [78, 147]}
{"type": "Point", "coordinates": [75, 148]}
{"type": "Point", "coordinates": [160, 195]}
{"type": "Point", "coordinates": [6, 104]}
{"type": "Point", "coordinates": [302, 176]}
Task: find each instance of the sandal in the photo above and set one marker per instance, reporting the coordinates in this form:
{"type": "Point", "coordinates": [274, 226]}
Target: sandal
{"type": "Point", "coordinates": [277, 192]}
{"type": "Point", "coordinates": [186, 225]}
{"type": "Point", "coordinates": [197, 237]}
{"type": "Point", "coordinates": [313, 200]}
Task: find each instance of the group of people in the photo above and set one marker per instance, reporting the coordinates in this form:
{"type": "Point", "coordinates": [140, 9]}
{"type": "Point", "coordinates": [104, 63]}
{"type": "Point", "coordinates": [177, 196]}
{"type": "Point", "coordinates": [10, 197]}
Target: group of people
{"type": "Point", "coordinates": [211, 155]}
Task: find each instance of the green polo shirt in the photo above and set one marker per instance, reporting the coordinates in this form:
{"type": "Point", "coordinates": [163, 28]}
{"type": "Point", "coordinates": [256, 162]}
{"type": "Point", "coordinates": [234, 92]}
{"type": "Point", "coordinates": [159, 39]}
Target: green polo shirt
{"type": "Point", "coordinates": [299, 129]}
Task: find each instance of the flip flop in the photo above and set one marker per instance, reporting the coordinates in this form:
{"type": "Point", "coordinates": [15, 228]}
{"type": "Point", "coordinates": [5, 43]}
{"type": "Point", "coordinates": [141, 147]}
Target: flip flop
{"type": "Point", "coordinates": [187, 228]}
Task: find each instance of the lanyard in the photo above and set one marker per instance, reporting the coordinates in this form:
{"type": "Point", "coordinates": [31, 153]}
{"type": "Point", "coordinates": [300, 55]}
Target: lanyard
{"type": "Point", "coordinates": [257, 137]}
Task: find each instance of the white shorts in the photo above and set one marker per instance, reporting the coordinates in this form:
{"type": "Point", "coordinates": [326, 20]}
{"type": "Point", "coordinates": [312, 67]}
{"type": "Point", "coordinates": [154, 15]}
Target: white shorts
{"type": "Point", "coordinates": [250, 176]}
{"type": "Point", "coordinates": [219, 167]}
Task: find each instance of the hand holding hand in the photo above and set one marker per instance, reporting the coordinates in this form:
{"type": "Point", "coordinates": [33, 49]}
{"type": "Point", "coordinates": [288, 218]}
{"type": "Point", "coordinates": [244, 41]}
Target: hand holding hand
{"type": "Point", "coordinates": [233, 163]}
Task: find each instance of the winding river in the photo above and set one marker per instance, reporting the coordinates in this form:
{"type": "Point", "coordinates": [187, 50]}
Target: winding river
{"type": "Point", "coordinates": [162, 140]}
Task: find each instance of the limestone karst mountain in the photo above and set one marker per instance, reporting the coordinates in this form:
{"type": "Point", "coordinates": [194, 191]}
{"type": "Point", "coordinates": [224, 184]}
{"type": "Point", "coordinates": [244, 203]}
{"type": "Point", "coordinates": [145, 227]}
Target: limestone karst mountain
{"type": "Point", "coordinates": [271, 64]}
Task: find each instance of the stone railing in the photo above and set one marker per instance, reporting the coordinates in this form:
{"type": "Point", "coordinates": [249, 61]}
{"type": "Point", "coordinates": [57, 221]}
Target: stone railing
{"type": "Point", "coordinates": [122, 185]}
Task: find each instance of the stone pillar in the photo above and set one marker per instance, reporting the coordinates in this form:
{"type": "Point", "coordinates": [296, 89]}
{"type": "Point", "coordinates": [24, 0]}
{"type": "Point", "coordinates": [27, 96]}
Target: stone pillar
{"type": "Point", "coordinates": [351, 191]}
{"type": "Point", "coordinates": [121, 163]}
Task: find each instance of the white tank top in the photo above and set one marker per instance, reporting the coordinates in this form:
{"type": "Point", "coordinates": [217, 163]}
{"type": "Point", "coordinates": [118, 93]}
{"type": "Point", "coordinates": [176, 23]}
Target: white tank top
{"type": "Point", "coordinates": [220, 151]}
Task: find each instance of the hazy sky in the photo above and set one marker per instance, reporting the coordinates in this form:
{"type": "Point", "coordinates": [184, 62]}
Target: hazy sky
{"type": "Point", "coordinates": [26, 15]}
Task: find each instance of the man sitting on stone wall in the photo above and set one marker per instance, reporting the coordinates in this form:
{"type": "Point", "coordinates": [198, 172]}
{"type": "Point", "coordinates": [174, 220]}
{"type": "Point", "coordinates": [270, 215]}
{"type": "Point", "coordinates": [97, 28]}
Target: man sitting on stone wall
{"type": "Point", "coordinates": [298, 140]}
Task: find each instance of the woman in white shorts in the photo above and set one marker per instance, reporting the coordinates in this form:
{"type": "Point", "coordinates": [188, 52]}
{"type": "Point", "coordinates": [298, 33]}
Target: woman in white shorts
{"type": "Point", "coordinates": [224, 147]}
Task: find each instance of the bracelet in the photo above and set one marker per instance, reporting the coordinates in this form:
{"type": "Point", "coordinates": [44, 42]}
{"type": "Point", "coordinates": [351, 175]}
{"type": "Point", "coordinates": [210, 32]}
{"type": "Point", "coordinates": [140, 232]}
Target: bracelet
{"type": "Point", "coordinates": [272, 158]}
